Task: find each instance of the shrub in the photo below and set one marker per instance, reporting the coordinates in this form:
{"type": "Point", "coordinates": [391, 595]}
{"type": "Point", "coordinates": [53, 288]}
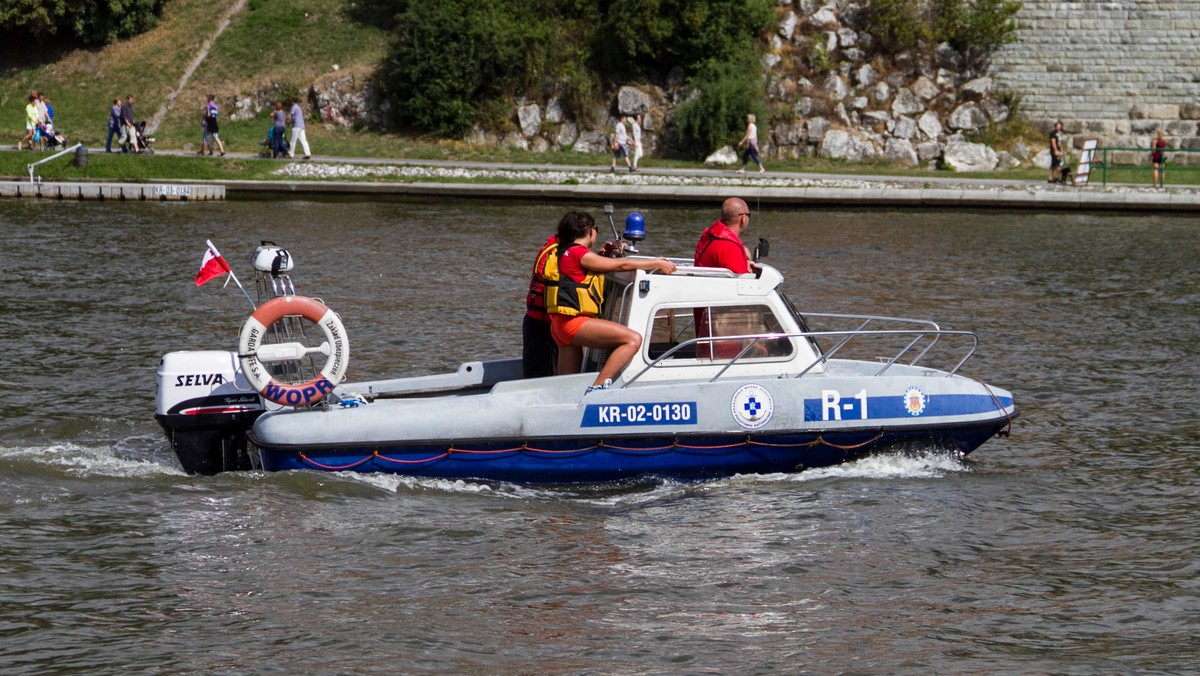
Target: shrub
{"type": "Point", "coordinates": [85, 21]}
{"type": "Point", "coordinates": [976, 28]}
{"type": "Point", "coordinates": [716, 115]}
{"type": "Point", "coordinates": [897, 24]}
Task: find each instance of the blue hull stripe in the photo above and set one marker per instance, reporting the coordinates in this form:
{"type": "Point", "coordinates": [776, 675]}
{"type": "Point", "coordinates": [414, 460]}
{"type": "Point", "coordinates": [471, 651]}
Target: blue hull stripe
{"type": "Point", "coordinates": [894, 407]}
{"type": "Point", "coordinates": [592, 460]}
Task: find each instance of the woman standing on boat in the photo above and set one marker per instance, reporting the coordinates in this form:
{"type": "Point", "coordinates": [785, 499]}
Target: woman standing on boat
{"type": "Point", "coordinates": [575, 301]}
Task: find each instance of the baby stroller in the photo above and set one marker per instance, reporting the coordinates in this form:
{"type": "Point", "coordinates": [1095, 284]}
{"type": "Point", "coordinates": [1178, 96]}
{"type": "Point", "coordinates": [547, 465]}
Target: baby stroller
{"type": "Point", "coordinates": [50, 138]}
{"type": "Point", "coordinates": [268, 143]}
{"type": "Point", "coordinates": [144, 142]}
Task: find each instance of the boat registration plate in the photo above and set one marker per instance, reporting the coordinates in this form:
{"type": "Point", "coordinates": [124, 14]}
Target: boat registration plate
{"type": "Point", "coordinates": [657, 413]}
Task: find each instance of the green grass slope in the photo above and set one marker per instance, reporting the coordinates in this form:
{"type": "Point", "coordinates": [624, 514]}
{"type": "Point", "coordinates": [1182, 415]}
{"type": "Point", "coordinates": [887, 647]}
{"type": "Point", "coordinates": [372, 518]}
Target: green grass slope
{"type": "Point", "coordinates": [268, 47]}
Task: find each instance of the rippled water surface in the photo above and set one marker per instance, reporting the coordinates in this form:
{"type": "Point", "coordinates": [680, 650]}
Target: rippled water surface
{"type": "Point", "coordinates": [1069, 548]}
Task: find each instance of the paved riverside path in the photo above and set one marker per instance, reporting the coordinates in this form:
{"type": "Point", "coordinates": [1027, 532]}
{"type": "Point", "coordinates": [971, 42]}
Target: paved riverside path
{"type": "Point", "coordinates": [503, 180]}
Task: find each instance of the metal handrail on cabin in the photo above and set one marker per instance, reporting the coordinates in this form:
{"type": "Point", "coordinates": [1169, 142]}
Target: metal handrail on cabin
{"type": "Point", "coordinates": [918, 335]}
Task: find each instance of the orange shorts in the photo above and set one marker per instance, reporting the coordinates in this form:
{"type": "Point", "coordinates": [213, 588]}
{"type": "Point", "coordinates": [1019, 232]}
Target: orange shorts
{"type": "Point", "coordinates": [563, 328]}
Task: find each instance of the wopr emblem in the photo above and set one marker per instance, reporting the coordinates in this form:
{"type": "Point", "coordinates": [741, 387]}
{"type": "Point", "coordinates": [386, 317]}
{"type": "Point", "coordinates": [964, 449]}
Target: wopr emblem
{"type": "Point", "coordinates": [752, 406]}
{"type": "Point", "coordinates": [914, 401]}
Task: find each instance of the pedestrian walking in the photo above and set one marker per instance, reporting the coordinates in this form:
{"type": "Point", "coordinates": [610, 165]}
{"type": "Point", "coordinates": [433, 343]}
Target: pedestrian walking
{"type": "Point", "coordinates": [296, 117]}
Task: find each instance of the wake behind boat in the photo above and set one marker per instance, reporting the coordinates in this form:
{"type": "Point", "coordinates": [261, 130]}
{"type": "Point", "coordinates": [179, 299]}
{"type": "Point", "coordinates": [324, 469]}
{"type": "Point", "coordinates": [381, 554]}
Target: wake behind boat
{"type": "Point", "coordinates": [755, 390]}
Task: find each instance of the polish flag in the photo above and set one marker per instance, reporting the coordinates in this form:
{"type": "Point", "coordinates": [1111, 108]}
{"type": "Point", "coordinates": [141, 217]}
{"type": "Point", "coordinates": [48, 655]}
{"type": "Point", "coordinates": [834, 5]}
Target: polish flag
{"type": "Point", "coordinates": [213, 265]}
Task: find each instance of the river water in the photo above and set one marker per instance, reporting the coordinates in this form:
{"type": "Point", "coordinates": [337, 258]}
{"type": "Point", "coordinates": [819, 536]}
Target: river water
{"type": "Point", "coordinates": [1069, 548]}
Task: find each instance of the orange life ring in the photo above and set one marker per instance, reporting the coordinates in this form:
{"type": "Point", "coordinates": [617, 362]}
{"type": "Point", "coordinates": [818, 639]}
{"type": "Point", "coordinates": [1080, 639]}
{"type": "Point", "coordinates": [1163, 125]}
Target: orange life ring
{"type": "Point", "coordinates": [252, 352]}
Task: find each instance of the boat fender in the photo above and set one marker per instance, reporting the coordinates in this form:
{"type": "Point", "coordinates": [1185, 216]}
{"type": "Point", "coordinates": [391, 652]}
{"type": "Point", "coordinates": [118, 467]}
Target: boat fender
{"type": "Point", "coordinates": [253, 353]}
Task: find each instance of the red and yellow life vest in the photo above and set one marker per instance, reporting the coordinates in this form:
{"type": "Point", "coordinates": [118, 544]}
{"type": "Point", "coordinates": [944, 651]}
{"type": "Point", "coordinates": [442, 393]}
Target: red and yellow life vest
{"type": "Point", "coordinates": [575, 297]}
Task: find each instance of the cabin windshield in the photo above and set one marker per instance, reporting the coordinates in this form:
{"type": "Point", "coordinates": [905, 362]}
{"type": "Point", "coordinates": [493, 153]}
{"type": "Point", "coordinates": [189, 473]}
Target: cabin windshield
{"type": "Point", "coordinates": [676, 325]}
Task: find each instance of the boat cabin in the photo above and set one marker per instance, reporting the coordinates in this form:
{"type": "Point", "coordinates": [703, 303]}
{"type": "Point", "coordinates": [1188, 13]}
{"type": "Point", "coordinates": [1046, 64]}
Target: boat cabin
{"type": "Point", "coordinates": [701, 322]}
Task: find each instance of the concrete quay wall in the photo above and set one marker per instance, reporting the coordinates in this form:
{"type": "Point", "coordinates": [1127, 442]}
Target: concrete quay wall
{"type": "Point", "coordinates": [1118, 71]}
{"type": "Point", "coordinates": [135, 192]}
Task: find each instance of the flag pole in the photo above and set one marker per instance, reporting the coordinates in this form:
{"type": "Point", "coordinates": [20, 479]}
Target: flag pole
{"type": "Point", "coordinates": [247, 295]}
{"type": "Point", "coordinates": [217, 254]}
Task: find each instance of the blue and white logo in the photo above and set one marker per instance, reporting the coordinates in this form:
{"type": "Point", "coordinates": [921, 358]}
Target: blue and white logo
{"type": "Point", "coordinates": [914, 401]}
{"type": "Point", "coordinates": [752, 406]}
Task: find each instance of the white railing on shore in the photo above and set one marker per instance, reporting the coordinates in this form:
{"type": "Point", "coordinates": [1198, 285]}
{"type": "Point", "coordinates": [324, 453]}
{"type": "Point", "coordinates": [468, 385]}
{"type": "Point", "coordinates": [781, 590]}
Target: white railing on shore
{"type": "Point", "coordinates": [58, 154]}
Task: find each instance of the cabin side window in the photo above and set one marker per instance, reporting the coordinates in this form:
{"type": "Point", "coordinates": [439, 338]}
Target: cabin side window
{"type": "Point", "coordinates": [678, 325]}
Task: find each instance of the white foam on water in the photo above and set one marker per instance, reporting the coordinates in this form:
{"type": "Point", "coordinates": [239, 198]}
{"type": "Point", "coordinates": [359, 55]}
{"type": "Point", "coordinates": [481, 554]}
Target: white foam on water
{"type": "Point", "coordinates": [85, 461]}
{"type": "Point", "coordinates": [925, 465]}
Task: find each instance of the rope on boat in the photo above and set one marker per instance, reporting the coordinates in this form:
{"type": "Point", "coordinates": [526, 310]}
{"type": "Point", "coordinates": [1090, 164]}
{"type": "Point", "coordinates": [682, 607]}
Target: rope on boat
{"type": "Point", "coordinates": [334, 468]}
{"type": "Point", "coordinates": [377, 454]}
{"type": "Point", "coordinates": [675, 444]}
{"type": "Point", "coordinates": [819, 441]}
{"type": "Point", "coordinates": [1007, 431]}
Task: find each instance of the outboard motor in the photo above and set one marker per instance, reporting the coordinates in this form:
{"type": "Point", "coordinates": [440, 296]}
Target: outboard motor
{"type": "Point", "coordinates": [206, 407]}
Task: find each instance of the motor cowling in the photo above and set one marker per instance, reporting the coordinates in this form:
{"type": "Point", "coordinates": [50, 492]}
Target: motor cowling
{"type": "Point", "coordinates": [206, 407]}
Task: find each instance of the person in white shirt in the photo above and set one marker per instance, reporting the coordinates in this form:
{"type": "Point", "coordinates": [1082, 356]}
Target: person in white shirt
{"type": "Point", "coordinates": [296, 117]}
{"type": "Point", "coordinates": [750, 140]}
{"type": "Point", "coordinates": [620, 141]}
{"type": "Point", "coordinates": [637, 140]}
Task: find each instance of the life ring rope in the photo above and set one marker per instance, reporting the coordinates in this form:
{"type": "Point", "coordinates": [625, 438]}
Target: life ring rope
{"type": "Point", "coordinates": [255, 355]}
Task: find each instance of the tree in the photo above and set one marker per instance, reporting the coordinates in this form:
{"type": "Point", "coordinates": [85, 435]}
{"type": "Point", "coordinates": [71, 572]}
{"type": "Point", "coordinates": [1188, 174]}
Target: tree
{"type": "Point", "coordinates": [86, 21]}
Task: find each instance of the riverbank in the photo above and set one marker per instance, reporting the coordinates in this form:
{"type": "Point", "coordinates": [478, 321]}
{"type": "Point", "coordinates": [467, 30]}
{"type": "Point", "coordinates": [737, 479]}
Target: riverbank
{"type": "Point", "coordinates": [345, 176]}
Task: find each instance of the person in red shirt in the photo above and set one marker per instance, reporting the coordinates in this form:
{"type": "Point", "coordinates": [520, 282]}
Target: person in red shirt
{"type": "Point", "coordinates": [575, 303]}
{"type": "Point", "coordinates": [720, 246]}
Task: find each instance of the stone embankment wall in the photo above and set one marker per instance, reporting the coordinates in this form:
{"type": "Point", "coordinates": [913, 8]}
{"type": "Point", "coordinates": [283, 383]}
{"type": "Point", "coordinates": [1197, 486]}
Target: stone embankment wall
{"type": "Point", "coordinates": [1117, 71]}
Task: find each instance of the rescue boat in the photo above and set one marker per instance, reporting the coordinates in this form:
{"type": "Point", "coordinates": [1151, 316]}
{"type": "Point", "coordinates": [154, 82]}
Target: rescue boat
{"type": "Point", "coordinates": [755, 390]}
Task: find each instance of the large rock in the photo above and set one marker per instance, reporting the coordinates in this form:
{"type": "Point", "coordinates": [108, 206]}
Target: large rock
{"type": "Point", "coordinates": [901, 151]}
{"type": "Point", "coordinates": [930, 125]}
{"type": "Point", "coordinates": [529, 119]}
{"type": "Point", "coordinates": [880, 92]}
{"type": "Point", "coordinates": [514, 141]}
{"type": "Point", "coordinates": [840, 144]}
{"type": "Point", "coordinates": [554, 111]}
{"type": "Point", "coordinates": [906, 128]}
{"type": "Point", "coordinates": [789, 134]}
{"type": "Point", "coordinates": [907, 103]}
{"type": "Point", "coordinates": [725, 156]}
{"type": "Point", "coordinates": [1042, 159]}
{"type": "Point", "coordinates": [1007, 161]}
{"type": "Point", "coordinates": [877, 121]}
{"type": "Point", "coordinates": [787, 25]}
{"type": "Point", "coordinates": [817, 128]}
{"type": "Point", "coordinates": [929, 150]}
{"type": "Point", "coordinates": [996, 111]}
{"type": "Point", "coordinates": [865, 76]}
{"type": "Point", "coordinates": [976, 90]}
{"type": "Point", "coordinates": [823, 19]}
{"type": "Point", "coordinates": [345, 100]}
{"type": "Point", "coordinates": [631, 101]}
{"type": "Point", "coordinates": [568, 133]}
{"type": "Point", "coordinates": [591, 142]}
{"type": "Point", "coordinates": [847, 37]}
{"type": "Point", "coordinates": [925, 89]}
{"type": "Point", "coordinates": [948, 57]}
{"type": "Point", "coordinates": [967, 117]}
{"type": "Point", "coordinates": [836, 87]}
{"type": "Point", "coordinates": [963, 156]}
